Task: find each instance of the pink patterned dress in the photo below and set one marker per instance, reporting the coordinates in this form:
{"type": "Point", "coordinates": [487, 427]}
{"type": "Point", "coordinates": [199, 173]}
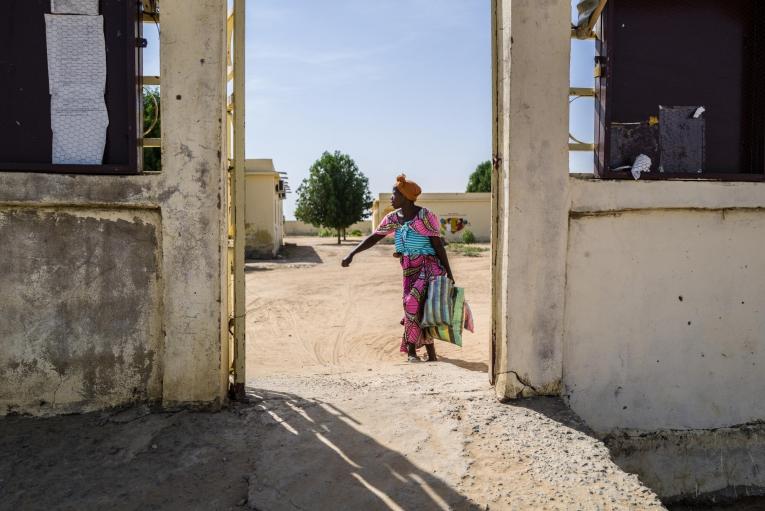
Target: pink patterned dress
{"type": "Point", "coordinates": [419, 263]}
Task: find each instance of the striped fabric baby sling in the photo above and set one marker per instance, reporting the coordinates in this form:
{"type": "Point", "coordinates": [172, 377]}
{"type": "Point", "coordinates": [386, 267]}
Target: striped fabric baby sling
{"type": "Point", "coordinates": [437, 310]}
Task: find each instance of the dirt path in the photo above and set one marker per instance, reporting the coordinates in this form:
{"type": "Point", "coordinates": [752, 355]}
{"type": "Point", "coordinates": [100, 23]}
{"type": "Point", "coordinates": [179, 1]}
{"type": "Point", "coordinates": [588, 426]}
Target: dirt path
{"type": "Point", "coordinates": [306, 314]}
{"type": "Point", "coordinates": [346, 424]}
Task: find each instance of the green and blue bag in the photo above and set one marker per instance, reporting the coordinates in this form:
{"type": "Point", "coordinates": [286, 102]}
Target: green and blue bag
{"type": "Point", "coordinates": [451, 331]}
{"type": "Point", "coordinates": [437, 310]}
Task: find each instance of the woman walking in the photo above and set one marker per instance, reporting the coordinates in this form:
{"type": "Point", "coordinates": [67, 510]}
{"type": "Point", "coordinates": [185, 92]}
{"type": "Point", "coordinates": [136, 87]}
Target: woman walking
{"type": "Point", "coordinates": [421, 252]}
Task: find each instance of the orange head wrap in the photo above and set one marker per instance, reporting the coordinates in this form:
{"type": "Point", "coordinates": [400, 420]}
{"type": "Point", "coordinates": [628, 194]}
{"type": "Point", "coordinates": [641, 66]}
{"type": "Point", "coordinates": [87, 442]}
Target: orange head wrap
{"type": "Point", "coordinates": [408, 189]}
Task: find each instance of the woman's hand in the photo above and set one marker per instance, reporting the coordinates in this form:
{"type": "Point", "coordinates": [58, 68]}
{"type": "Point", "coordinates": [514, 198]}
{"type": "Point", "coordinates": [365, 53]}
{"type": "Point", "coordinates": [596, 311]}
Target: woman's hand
{"type": "Point", "coordinates": [369, 242]}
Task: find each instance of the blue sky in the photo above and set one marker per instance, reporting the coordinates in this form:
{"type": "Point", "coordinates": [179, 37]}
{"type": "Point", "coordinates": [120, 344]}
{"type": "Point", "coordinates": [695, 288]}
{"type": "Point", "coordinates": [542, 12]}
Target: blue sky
{"type": "Point", "coordinates": [400, 85]}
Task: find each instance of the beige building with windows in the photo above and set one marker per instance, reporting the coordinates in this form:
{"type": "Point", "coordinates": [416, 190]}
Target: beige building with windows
{"type": "Point", "coordinates": [264, 213]}
{"type": "Point", "coordinates": [458, 212]}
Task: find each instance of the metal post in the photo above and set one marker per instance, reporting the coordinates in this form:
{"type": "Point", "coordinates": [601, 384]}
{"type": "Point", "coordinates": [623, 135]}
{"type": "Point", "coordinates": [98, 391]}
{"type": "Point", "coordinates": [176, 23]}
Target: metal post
{"type": "Point", "coordinates": [239, 199]}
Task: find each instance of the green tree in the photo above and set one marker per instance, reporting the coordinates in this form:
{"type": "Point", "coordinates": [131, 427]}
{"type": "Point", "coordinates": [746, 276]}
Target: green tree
{"type": "Point", "coordinates": [152, 156]}
{"type": "Point", "coordinates": [335, 194]}
{"type": "Point", "coordinates": [480, 179]}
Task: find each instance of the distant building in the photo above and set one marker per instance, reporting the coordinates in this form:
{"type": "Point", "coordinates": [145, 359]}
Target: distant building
{"type": "Point", "coordinates": [298, 228]}
{"type": "Point", "coordinates": [457, 212]}
{"type": "Point", "coordinates": [264, 217]}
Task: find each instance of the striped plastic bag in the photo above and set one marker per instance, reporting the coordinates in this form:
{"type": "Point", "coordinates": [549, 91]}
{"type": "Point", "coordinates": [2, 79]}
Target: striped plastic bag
{"type": "Point", "coordinates": [451, 332]}
{"type": "Point", "coordinates": [437, 309]}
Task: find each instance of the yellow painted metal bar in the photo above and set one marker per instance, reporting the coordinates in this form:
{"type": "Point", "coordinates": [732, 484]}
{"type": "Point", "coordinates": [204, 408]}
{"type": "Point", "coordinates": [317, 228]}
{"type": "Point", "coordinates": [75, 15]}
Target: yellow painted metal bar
{"type": "Point", "coordinates": [591, 35]}
{"type": "Point", "coordinates": [150, 80]}
{"type": "Point", "coordinates": [229, 36]}
{"type": "Point", "coordinates": [581, 147]}
{"type": "Point", "coordinates": [581, 91]}
{"type": "Point", "coordinates": [239, 198]}
{"type": "Point", "coordinates": [152, 142]}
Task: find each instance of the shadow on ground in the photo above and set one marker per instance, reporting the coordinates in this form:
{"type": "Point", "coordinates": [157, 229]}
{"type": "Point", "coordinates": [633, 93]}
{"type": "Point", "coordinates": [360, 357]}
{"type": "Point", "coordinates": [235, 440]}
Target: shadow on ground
{"type": "Point", "coordinates": [278, 452]}
{"type": "Point", "coordinates": [555, 409]}
{"type": "Point", "coordinates": [344, 243]}
{"type": "Point", "coordinates": [130, 459]}
{"type": "Point", "coordinates": [301, 254]}
{"type": "Point", "coordinates": [290, 256]}
{"type": "Point", "coordinates": [314, 457]}
{"type": "Point", "coordinates": [479, 367]}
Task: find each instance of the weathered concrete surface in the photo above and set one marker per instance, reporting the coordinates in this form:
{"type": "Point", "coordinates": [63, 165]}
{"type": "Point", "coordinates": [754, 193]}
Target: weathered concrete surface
{"type": "Point", "coordinates": [193, 67]}
{"type": "Point", "coordinates": [531, 203]}
{"type": "Point", "coordinates": [695, 465]}
{"type": "Point", "coordinates": [81, 314]}
{"type": "Point", "coordinates": [590, 195]}
{"type": "Point", "coordinates": [186, 328]}
{"type": "Point", "coordinates": [664, 345]}
{"type": "Point", "coordinates": [664, 319]}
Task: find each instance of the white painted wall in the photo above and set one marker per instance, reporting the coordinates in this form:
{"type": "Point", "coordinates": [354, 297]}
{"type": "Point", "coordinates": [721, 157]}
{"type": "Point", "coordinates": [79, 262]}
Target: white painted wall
{"type": "Point", "coordinates": [637, 356]}
{"type": "Point", "coordinates": [193, 70]}
{"type": "Point", "coordinates": [530, 204]}
{"type": "Point", "coordinates": [665, 319]}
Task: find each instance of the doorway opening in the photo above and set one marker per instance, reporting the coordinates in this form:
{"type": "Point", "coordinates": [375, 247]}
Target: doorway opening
{"type": "Point", "coordinates": [339, 77]}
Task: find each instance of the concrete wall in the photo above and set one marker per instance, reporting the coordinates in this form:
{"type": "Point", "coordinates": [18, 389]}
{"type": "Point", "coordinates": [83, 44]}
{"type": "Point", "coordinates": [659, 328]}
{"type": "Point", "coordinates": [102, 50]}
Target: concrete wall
{"type": "Point", "coordinates": [640, 302]}
{"type": "Point", "coordinates": [113, 285]}
{"type": "Point", "coordinates": [298, 228]}
{"type": "Point", "coordinates": [78, 322]}
{"type": "Point", "coordinates": [664, 332]}
{"type": "Point", "coordinates": [678, 290]}
{"type": "Point", "coordinates": [468, 211]}
{"type": "Point", "coordinates": [530, 207]}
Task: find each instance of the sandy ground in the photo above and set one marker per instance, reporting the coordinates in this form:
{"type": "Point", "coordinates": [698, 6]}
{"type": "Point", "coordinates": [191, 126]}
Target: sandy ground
{"type": "Point", "coordinates": [336, 420]}
{"type": "Point", "coordinates": [307, 314]}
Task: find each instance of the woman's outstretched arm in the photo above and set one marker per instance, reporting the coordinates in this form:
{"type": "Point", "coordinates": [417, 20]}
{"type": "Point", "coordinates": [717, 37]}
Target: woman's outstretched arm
{"type": "Point", "coordinates": [369, 242]}
{"type": "Point", "coordinates": [438, 246]}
